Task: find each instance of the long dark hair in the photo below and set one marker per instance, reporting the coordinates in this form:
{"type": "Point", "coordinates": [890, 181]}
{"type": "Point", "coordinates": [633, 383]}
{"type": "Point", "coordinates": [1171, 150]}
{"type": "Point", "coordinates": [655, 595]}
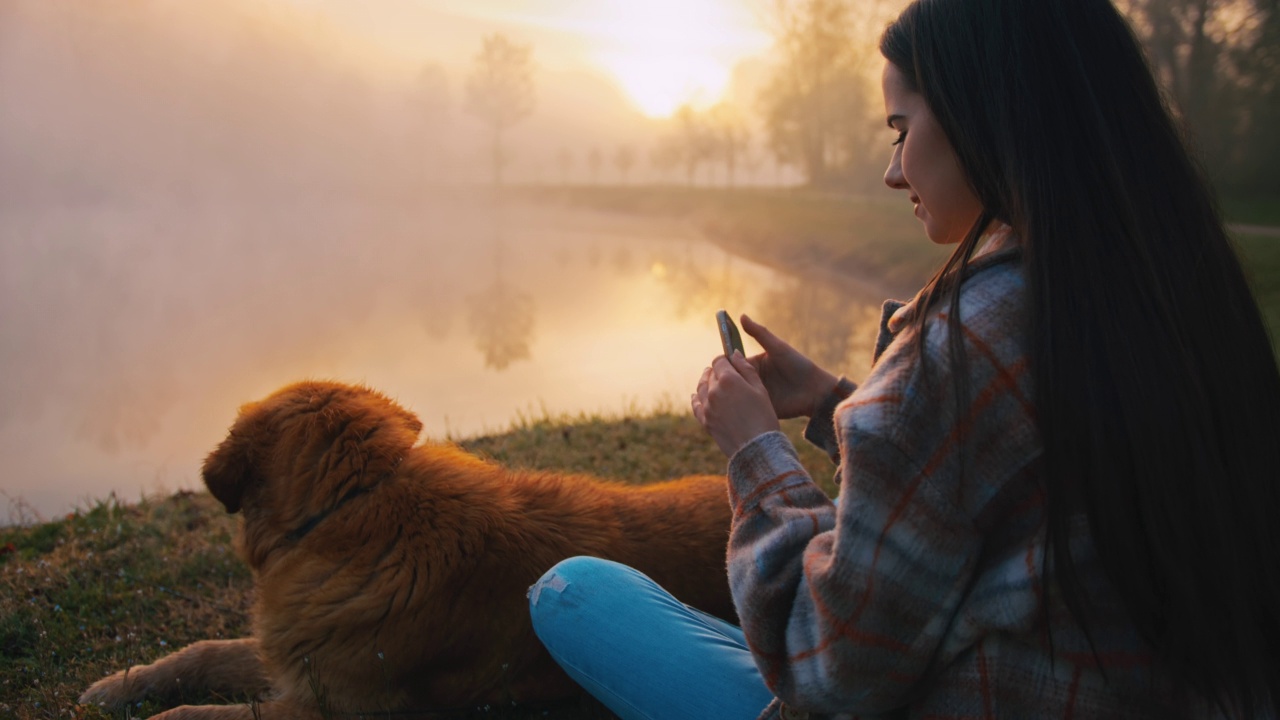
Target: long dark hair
{"type": "Point", "coordinates": [1157, 391]}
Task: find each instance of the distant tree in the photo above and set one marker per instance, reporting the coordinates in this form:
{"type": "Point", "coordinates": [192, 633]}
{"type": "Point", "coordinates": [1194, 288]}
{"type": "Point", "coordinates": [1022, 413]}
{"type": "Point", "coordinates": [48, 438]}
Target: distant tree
{"type": "Point", "coordinates": [500, 91]}
{"type": "Point", "coordinates": [816, 105]}
{"type": "Point", "coordinates": [664, 158]}
{"type": "Point", "coordinates": [624, 158]}
{"type": "Point", "coordinates": [730, 137]}
{"type": "Point", "coordinates": [564, 161]}
{"type": "Point", "coordinates": [693, 140]}
{"type": "Point", "coordinates": [1220, 62]}
{"type": "Point", "coordinates": [594, 160]}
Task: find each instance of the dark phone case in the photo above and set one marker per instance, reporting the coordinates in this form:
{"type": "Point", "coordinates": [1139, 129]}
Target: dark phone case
{"type": "Point", "coordinates": [730, 338]}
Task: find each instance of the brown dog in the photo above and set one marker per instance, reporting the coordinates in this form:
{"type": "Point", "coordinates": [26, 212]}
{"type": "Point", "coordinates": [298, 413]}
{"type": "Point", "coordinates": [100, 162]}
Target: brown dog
{"type": "Point", "coordinates": [391, 578]}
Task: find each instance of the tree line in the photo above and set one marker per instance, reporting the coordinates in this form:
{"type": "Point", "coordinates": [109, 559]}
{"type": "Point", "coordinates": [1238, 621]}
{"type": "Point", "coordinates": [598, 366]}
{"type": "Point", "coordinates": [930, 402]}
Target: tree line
{"type": "Point", "coordinates": [818, 112]}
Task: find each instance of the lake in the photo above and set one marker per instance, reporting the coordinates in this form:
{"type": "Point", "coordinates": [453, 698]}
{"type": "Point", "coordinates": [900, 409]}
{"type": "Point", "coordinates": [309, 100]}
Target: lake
{"type": "Point", "coordinates": [133, 331]}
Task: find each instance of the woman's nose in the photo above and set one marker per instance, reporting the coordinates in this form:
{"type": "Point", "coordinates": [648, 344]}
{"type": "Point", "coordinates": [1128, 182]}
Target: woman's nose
{"type": "Point", "coordinates": [893, 176]}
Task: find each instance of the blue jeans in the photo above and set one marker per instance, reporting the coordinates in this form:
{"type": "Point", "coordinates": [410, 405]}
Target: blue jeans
{"type": "Point", "coordinates": [640, 651]}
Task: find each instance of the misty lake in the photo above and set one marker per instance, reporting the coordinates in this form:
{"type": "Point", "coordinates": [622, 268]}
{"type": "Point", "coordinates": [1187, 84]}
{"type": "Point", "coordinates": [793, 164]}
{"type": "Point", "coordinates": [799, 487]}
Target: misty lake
{"type": "Point", "coordinates": [132, 334]}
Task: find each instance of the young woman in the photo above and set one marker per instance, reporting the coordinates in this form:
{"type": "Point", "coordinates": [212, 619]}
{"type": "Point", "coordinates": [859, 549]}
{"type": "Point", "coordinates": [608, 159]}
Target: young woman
{"type": "Point", "coordinates": [1059, 483]}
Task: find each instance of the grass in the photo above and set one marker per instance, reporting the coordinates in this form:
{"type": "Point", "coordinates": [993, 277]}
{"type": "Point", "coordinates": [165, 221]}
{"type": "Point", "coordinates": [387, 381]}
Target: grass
{"type": "Point", "coordinates": [1260, 256]}
{"type": "Point", "coordinates": [118, 584]}
{"type": "Point", "coordinates": [1252, 210]}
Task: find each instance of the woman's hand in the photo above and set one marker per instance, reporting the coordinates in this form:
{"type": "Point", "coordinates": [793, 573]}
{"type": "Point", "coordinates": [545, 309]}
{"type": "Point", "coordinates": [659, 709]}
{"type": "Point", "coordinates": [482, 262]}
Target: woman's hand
{"type": "Point", "coordinates": [796, 385]}
{"type": "Point", "coordinates": [732, 403]}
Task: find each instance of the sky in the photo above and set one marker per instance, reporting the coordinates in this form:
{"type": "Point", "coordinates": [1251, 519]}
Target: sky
{"type": "Point", "coordinates": [660, 53]}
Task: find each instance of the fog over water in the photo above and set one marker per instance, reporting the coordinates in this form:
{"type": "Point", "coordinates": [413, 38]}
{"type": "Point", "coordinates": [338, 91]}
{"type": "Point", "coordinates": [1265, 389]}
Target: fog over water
{"type": "Point", "coordinates": [197, 207]}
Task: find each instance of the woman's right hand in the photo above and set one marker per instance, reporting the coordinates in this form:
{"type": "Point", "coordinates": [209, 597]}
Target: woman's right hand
{"type": "Point", "coordinates": [795, 383]}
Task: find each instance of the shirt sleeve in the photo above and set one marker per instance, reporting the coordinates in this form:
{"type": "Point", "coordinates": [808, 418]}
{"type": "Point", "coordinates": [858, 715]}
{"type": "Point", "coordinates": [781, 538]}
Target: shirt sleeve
{"type": "Point", "coordinates": [821, 427]}
{"type": "Point", "coordinates": [845, 608]}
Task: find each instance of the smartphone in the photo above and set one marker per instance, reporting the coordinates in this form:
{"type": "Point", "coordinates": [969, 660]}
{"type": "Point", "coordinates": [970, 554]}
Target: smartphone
{"type": "Point", "coordinates": [729, 336]}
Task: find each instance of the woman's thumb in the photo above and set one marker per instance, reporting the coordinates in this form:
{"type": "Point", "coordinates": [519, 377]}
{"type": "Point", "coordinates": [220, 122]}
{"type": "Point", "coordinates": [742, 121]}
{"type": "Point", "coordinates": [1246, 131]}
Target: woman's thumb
{"type": "Point", "coordinates": [770, 342]}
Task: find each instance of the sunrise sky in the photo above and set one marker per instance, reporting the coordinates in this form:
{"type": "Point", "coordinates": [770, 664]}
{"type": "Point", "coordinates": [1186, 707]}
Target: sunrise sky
{"type": "Point", "coordinates": [661, 53]}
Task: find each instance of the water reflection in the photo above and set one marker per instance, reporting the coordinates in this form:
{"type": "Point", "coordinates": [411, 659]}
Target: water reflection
{"type": "Point", "coordinates": [835, 329]}
{"type": "Point", "coordinates": [501, 318]}
{"type": "Point", "coordinates": [131, 334]}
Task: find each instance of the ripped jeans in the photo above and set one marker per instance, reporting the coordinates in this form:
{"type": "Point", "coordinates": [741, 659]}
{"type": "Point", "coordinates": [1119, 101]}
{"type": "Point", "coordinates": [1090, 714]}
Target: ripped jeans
{"type": "Point", "coordinates": [638, 650]}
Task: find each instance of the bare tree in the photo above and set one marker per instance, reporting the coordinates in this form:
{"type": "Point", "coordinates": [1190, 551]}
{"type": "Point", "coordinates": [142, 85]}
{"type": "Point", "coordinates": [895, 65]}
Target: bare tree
{"type": "Point", "coordinates": [593, 163]}
{"type": "Point", "coordinates": [728, 126]}
{"type": "Point", "coordinates": [624, 158]}
{"type": "Point", "coordinates": [500, 91]}
{"type": "Point", "coordinates": [564, 161]}
{"type": "Point", "coordinates": [664, 157]}
{"type": "Point", "coordinates": [693, 141]}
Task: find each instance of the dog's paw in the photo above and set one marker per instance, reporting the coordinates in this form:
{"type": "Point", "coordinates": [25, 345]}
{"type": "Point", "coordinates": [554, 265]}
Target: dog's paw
{"type": "Point", "coordinates": [216, 712]}
{"type": "Point", "coordinates": [116, 691]}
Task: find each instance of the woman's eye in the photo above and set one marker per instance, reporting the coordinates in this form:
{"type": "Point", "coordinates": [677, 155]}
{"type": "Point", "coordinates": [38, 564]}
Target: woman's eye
{"type": "Point", "coordinates": [902, 135]}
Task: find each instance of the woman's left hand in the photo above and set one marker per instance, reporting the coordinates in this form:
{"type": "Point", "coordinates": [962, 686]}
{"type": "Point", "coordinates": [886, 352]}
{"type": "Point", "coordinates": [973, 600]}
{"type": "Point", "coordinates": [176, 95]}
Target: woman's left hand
{"type": "Point", "coordinates": [732, 403]}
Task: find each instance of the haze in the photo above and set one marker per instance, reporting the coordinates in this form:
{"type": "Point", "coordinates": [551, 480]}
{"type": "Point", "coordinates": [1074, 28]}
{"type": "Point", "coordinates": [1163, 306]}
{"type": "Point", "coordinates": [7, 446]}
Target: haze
{"type": "Point", "coordinates": [201, 201]}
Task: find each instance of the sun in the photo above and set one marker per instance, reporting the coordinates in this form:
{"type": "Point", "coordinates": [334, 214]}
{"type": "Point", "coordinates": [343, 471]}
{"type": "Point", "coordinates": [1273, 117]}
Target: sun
{"type": "Point", "coordinates": [664, 53]}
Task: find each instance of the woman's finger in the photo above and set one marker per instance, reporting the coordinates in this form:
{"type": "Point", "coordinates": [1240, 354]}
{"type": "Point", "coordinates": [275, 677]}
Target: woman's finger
{"type": "Point", "coordinates": [771, 343]}
{"type": "Point", "coordinates": [746, 369]}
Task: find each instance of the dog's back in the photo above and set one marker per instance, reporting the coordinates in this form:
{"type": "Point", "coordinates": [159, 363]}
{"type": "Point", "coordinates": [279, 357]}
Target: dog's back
{"type": "Point", "coordinates": [422, 584]}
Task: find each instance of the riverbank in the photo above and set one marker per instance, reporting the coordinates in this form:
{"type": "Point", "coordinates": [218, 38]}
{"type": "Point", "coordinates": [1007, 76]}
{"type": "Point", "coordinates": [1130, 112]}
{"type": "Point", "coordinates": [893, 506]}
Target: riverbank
{"type": "Point", "coordinates": [868, 242]}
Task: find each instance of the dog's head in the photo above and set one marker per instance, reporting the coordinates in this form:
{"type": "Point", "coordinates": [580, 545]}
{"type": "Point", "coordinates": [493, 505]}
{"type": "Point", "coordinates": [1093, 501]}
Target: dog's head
{"type": "Point", "coordinates": [296, 454]}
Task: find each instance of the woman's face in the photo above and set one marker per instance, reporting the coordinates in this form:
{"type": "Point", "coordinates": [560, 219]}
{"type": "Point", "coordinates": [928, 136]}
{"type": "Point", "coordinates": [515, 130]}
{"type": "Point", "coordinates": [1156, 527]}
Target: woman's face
{"type": "Point", "coordinates": [925, 165]}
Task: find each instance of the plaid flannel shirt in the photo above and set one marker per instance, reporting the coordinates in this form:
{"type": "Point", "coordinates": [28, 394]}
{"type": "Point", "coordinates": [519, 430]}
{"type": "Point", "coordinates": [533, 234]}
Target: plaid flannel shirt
{"type": "Point", "coordinates": [920, 593]}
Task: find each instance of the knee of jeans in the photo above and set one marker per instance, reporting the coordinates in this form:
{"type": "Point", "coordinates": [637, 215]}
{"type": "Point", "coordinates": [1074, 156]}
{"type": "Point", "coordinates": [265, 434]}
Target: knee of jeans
{"type": "Point", "coordinates": [551, 594]}
{"type": "Point", "coordinates": [561, 575]}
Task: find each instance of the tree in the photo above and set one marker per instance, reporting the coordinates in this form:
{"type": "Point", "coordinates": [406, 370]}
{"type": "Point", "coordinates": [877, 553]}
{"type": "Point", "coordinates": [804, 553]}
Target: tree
{"type": "Point", "coordinates": [500, 91]}
{"type": "Point", "coordinates": [1220, 62]}
{"type": "Point", "coordinates": [593, 163]}
{"type": "Point", "coordinates": [730, 137]}
{"type": "Point", "coordinates": [816, 105]}
{"type": "Point", "coordinates": [664, 158]}
{"type": "Point", "coordinates": [624, 159]}
{"type": "Point", "coordinates": [564, 161]}
{"type": "Point", "coordinates": [693, 142]}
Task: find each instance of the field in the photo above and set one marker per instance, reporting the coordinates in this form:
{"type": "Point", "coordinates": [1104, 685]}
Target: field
{"type": "Point", "coordinates": [121, 583]}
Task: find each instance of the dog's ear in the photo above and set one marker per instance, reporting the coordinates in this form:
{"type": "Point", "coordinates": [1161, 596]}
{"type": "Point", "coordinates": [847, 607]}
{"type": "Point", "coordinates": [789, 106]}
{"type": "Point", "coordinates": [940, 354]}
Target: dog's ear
{"type": "Point", "coordinates": [229, 471]}
{"type": "Point", "coordinates": [378, 430]}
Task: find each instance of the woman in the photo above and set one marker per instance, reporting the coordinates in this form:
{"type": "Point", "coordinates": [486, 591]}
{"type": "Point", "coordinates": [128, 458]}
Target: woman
{"type": "Point", "coordinates": [1059, 481]}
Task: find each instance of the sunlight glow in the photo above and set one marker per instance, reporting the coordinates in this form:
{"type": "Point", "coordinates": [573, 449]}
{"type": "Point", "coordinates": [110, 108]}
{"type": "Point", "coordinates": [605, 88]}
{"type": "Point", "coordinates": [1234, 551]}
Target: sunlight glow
{"type": "Point", "coordinates": [664, 53]}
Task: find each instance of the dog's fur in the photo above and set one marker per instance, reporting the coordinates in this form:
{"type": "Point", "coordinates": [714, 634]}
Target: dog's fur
{"type": "Point", "coordinates": [392, 578]}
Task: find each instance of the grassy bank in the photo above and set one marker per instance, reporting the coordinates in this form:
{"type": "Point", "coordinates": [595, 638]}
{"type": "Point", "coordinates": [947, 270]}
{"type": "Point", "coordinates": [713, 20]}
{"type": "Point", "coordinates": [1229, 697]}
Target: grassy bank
{"type": "Point", "coordinates": [1261, 258]}
{"type": "Point", "coordinates": [117, 584]}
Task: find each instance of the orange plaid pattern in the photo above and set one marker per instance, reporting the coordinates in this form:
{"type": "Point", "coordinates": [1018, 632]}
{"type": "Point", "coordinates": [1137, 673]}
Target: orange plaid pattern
{"type": "Point", "coordinates": [920, 593]}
